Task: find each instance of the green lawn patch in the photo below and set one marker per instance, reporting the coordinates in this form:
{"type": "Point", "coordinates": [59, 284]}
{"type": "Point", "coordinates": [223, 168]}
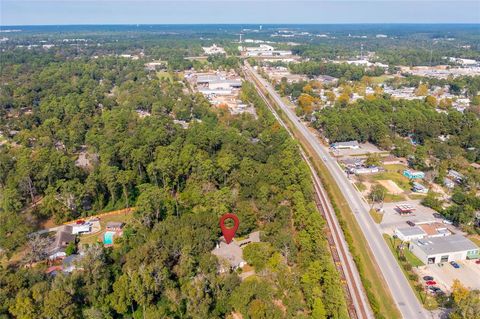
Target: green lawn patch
{"type": "Point", "coordinates": [377, 217]}
{"type": "Point", "coordinates": [399, 179]}
{"type": "Point", "coordinates": [391, 198]}
{"type": "Point", "coordinates": [361, 187]}
{"type": "Point", "coordinates": [476, 240]}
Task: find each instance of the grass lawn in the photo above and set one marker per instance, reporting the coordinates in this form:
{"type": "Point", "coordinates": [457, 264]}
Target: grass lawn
{"type": "Point", "coordinates": [361, 187]}
{"type": "Point", "coordinates": [428, 301]}
{"type": "Point", "coordinates": [380, 79]}
{"type": "Point", "coordinates": [417, 196]}
{"type": "Point", "coordinates": [399, 179]}
{"type": "Point", "coordinates": [377, 217]}
{"type": "Point", "coordinates": [374, 283]}
{"type": "Point", "coordinates": [94, 238]}
{"type": "Point", "coordinates": [475, 239]}
{"type": "Point", "coordinates": [391, 198]}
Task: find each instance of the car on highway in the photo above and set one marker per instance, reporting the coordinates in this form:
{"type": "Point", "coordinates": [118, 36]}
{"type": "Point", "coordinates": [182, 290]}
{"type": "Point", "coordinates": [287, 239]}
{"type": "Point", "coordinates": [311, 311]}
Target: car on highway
{"type": "Point", "coordinates": [427, 278]}
{"type": "Point", "coordinates": [454, 264]}
{"type": "Point", "coordinates": [431, 283]}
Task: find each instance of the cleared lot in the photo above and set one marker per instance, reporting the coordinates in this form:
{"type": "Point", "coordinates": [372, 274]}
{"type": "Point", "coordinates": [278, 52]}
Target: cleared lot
{"type": "Point", "coordinates": [468, 274]}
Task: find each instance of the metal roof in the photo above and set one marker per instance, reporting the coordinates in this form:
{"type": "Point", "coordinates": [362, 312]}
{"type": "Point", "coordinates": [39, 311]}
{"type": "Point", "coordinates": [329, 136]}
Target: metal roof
{"type": "Point", "coordinates": [411, 231]}
{"type": "Point", "coordinates": [444, 245]}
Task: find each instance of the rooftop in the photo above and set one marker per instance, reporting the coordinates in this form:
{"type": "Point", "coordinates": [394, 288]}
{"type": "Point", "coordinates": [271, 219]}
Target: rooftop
{"type": "Point", "coordinates": [411, 231]}
{"type": "Point", "coordinates": [444, 245]}
{"type": "Point", "coordinates": [348, 143]}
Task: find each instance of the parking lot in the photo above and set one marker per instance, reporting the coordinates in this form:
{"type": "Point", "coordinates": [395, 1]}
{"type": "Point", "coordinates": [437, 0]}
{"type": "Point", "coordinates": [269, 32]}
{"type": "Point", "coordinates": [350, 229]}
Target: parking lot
{"type": "Point", "coordinates": [468, 274]}
{"type": "Point", "coordinates": [392, 219]}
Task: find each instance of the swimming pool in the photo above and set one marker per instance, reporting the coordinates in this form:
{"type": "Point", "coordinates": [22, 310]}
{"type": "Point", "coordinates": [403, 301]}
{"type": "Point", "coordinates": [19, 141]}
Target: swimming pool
{"type": "Point", "coordinates": [108, 238]}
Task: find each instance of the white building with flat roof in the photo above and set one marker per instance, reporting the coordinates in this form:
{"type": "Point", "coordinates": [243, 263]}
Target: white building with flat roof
{"type": "Point", "coordinates": [444, 249]}
{"type": "Point", "coordinates": [353, 145]}
{"type": "Point", "coordinates": [410, 233]}
{"type": "Point", "coordinates": [212, 50]}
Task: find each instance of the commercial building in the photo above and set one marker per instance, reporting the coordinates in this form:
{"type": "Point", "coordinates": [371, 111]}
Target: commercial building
{"type": "Point", "coordinates": [410, 233]}
{"type": "Point", "coordinates": [353, 145]}
{"type": "Point", "coordinates": [364, 170]}
{"type": "Point", "coordinates": [264, 50]}
{"type": "Point", "coordinates": [212, 50]}
{"type": "Point", "coordinates": [444, 249]}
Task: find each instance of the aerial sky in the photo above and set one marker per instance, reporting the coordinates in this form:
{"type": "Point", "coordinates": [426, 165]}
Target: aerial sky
{"type": "Point", "coordinates": [41, 12]}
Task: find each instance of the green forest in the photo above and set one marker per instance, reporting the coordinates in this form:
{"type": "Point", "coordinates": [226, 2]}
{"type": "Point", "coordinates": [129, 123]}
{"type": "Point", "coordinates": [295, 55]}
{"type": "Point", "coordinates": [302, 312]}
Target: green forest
{"type": "Point", "coordinates": [179, 180]}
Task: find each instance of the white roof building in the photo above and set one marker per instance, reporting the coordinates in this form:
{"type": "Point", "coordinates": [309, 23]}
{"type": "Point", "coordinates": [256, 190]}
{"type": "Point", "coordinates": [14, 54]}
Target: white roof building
{"type": "Point", "coordinates": [444, 249]}
{"type": "Point", "coordinates": [212, 50]}
{"type": "Point", "coordinates": [410, 233]}
{"type": "Point", "coordinates": [344, 145]}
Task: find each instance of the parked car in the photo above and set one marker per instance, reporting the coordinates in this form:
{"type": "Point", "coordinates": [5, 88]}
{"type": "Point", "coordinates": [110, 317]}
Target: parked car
{"type": "Point", "coordinates": [477, 261]}
{"type": "Point", "coordinates": [410, 223]}
{"type": "Point", "coordinates": [448, 222]}
{"type": "Point", "coordinates": [80, 222]}
{"type": "Point", "coordinates": [432, 289]}
{"type": "Point", "coordinates": [427, 278]}
{"type": "Point", "coordinates": [438, 291]}
{"type": "Point", "coordinates": [431, 283]}
{"type": "Point", "coordinates": [454, 264]}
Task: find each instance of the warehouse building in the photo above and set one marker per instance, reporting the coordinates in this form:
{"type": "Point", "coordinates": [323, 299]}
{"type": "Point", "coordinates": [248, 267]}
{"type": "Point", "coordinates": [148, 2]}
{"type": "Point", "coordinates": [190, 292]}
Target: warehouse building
{"type": "Point", "coordinates": [444, 249]}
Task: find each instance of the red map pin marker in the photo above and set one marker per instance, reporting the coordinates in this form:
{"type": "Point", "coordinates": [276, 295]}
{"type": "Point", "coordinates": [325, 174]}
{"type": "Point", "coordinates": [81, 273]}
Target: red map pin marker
{"type": "Point", "coordinates": [229, 233]}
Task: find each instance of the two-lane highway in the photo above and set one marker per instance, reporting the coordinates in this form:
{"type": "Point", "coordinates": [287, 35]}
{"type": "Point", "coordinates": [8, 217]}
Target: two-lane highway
{"type": "Point", "coordinates": [401, 291]}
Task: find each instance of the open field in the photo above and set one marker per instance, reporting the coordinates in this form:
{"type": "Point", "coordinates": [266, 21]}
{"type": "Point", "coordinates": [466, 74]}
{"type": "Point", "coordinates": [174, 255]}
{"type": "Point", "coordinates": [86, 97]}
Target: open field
{"type": "Point", "coordinates": [401, 181]}
{"type": "Point", "coordinates": [391, 186]}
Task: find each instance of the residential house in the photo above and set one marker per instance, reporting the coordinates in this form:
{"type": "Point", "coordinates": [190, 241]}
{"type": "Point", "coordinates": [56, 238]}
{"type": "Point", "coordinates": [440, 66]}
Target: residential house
{"type": "Point", "coordinates": [63, 238]}
{"type": "Point", "coordinates": [413, 174]}
{"type": "Point", "coordinates": [419, 188]}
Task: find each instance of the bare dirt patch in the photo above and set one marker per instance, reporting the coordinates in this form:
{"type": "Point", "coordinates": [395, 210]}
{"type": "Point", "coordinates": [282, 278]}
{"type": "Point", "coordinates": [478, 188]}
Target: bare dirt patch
{"type": "Point", "coordinates": [391, 186]}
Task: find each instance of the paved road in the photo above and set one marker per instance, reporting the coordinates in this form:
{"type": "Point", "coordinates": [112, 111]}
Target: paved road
{"type": "Point", "coordinates": [402, 293]}
{"type": "Point", "coordinates": [358, 306]}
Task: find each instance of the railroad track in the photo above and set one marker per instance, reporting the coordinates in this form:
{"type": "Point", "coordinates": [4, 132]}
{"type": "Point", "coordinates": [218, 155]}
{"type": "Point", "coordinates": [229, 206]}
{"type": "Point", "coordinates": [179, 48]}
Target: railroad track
{"type": "Point", "coordinates": [357, 302]}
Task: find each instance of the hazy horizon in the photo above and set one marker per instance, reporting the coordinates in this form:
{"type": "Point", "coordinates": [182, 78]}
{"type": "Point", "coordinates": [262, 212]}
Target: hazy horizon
{"type": "Point", "coordinates": [147, 12]}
